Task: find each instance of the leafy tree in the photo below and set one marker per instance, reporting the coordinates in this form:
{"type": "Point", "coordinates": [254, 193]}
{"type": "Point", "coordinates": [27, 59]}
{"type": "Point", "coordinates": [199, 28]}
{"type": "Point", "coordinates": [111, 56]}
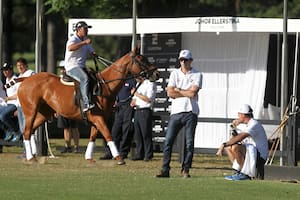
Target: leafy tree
{"type": "Point", "coordinates": [22, 17]}
{"type": "Point", "coordinates": [91, 8]}
{"type": "Point", "coordinates": [22, 25]}
{"type": "Point", "coordinates": [172, 8]}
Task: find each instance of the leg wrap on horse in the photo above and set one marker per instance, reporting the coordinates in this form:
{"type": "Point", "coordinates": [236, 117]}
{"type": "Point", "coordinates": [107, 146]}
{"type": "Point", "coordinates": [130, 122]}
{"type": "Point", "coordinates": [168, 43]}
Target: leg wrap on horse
{"type": "Point", "coordinates": [89, 151]}
{"type": "Point", "coordinates": [33, 145]}
{"type": "Point", "coordinates": [113, 149]}
{"type": "Point", "coordinates": [28, 150]}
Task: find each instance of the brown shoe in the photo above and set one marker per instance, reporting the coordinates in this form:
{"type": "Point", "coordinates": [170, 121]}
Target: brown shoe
{"type": "Point", "coordinates": [185, 174]}
{"type": "Point", "coordinates": [163, 174]}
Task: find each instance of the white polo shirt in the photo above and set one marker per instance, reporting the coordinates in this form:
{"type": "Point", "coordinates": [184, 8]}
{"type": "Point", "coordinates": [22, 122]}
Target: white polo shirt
{"type": "Point", "coordinates": [148, 89]}
{"type": "Point", "coordinates": [184, 81]}
{"type": "Point", "coordinates": [78, 57]}
{"type": "Point", "coordinates": [259, 137]}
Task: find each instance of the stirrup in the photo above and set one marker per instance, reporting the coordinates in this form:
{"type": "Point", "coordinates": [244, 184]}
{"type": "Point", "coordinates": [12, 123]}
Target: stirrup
{"type": "Point", "coordinates": [88, 107]}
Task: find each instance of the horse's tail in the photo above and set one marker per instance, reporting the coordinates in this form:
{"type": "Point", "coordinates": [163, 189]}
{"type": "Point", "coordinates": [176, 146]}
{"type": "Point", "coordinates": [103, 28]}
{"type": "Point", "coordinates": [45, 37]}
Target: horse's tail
{"type": "Point", "coordinates": [14, 81]}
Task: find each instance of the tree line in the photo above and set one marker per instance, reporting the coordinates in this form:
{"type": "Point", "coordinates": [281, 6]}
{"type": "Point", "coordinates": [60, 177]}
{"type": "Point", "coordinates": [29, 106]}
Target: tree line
{"type": "Point", "coordinates": [19, 21]}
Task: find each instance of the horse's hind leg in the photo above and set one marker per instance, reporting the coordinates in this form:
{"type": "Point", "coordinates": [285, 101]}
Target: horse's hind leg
{"type": "Point", "coordinates": [32, 121]}
{"type": "Point", "coordinates": [39, 120]}
{"type": "Point", "coordinates": [26, 121]}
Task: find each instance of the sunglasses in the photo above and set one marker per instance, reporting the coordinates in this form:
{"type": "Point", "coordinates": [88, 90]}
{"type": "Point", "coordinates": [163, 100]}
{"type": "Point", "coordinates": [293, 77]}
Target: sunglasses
{"type": "Point", "coordinates": [183, 59]}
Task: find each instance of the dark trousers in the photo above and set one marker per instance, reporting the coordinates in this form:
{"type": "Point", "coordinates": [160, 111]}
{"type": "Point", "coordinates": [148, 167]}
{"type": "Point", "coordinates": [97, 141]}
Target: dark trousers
{"type": "Point", "coordinates": [143, 133]}
{"type": "Point", "coordinates": [7, 119]}
{"type": "Point", "coordinates": [122, 129]}
{"type": "Point", "coordinates": [260, 167]}
{"type": "Point", "coordinates": [188, 120]}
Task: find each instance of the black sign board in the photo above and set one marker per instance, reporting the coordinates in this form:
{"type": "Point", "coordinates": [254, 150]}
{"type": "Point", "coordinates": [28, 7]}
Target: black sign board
{"type": "Point", "coordinates": [162, 50]}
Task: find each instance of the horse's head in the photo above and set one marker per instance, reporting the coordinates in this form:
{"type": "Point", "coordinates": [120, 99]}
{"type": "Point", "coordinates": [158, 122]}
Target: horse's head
{"type": "Point", "coordinates": [141, 67]}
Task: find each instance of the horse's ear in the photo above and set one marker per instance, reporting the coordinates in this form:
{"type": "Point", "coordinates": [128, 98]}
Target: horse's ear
{"type": "Point", "coordinates": [137, 50]}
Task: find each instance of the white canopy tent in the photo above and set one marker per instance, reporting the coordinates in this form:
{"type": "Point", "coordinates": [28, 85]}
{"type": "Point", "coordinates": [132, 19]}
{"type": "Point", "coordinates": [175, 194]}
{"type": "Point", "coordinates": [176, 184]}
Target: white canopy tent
{"type": "Point", "coordinates": [186, 24]}
{"type": "Point", "coordinates": [231, 52]}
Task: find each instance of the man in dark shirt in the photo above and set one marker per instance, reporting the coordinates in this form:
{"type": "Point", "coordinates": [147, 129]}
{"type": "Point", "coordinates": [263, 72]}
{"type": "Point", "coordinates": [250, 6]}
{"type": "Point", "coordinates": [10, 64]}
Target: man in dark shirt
{"type": "Point", "coordinates": [122, 132]}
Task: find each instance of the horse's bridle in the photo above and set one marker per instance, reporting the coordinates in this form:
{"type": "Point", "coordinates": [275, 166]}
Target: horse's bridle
{"type": "Point", "coordinates": [145, 68]}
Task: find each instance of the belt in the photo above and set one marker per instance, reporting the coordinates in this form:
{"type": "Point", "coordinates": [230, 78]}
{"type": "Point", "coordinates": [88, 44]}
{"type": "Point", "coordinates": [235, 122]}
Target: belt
{"type": "Point", "coordinates": [143, 108]}
{"type": "Point", "coordinates": [125, 104]}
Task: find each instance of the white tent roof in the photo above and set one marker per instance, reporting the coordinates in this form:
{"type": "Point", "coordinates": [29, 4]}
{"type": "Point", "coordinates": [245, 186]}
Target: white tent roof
{"type": "Point", "coordinates": [186, 24]}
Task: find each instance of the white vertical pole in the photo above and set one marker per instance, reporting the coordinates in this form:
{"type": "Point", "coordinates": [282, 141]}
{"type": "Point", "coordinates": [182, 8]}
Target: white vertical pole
{"type": "Point", "coordinates": [284, 75]}
{"type": "Point", "coordinates": [142, 43]}
{"type": "Point", "coordinates": [39, 133]}
{"type": "Point", "coordinates": [134, 37]}
{"type": "Point", "coordinates": [38, 32]}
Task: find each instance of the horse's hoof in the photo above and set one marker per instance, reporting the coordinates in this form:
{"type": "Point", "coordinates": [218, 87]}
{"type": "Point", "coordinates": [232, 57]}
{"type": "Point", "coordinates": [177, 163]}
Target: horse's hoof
{"type": "Point", "coordinates": [91, 161]}
{"type": "Point", "coordinates": [34, 160]}
{"type": "Point", "coordinates": [121, 162]}
{"type": "Point", "coordinates": [31, 161]}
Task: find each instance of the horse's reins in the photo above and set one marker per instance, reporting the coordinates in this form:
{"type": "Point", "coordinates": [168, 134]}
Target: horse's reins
{"type": "Point", "coordinates": [106, 63]}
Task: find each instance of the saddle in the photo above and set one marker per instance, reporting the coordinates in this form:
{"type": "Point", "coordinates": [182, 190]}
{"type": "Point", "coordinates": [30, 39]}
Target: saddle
{"type": "Point", "coordinates": [95, 86]}
{"type": "Point", "coordinates": [67, 80]}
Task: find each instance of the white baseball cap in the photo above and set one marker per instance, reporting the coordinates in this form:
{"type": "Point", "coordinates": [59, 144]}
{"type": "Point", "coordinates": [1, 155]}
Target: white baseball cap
{"type": "Point", "coordinates": [245, 109]}
{"type": "Point", "coordinates": [186, 54]}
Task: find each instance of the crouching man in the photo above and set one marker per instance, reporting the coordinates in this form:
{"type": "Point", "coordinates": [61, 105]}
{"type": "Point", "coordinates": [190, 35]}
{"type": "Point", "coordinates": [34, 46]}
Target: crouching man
{"type": "Point", "coordinates": [248, 150]}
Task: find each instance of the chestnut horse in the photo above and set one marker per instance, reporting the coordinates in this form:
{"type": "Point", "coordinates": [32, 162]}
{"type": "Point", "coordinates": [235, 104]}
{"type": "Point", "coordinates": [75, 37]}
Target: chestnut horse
{"type": "Point", "coordinates": [43, 94]}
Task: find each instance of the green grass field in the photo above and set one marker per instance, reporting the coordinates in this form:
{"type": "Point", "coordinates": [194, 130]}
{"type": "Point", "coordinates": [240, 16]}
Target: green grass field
{"type": "Point", "coordinates": [69, 176]}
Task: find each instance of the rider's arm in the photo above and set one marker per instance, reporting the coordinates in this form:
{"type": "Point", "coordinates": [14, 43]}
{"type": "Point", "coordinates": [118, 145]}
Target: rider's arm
{"type": "Point", "coordinates": [76, 46]}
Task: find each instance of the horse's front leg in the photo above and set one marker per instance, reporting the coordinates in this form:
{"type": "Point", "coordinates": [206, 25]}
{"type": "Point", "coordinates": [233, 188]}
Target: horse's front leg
{"type": "Point", "coordinates": [91, 145]}
{"type": "Point", "coordinates": [107, 136]}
